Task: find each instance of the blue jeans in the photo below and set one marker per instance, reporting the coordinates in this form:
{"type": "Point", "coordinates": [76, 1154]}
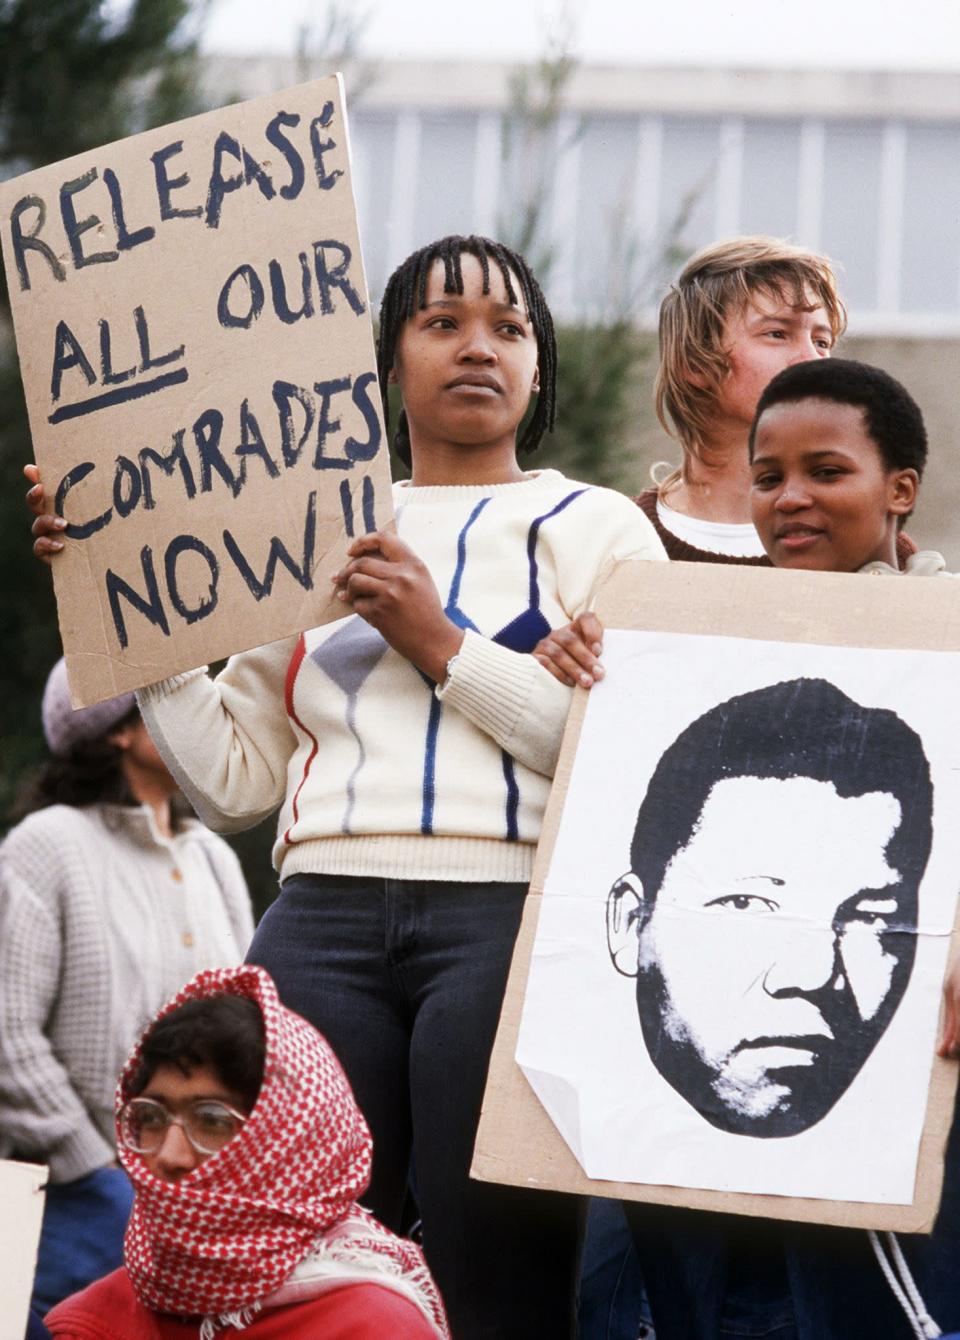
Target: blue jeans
{"type": "Point", "coordinates": [406, 980]}
{"type": "Point", "coordinates": [81, 1239]}
{"type": "Point", "coordinates": [720, 1275]}
{"type": "Point", "coordinates": [612, 1303]}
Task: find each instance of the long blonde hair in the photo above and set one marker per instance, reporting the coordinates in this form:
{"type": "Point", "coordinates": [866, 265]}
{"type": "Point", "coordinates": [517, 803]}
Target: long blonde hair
{"type": "Point", "coordinates": [716, 282]}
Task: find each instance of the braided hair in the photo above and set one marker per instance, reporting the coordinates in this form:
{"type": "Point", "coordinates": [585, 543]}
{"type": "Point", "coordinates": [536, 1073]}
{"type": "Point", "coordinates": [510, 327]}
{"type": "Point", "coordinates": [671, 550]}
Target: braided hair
{"type": "Point", "coordinates": [406, 293]}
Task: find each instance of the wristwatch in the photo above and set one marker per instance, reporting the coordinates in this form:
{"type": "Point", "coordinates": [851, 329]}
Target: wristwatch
{"type": "Point", "coordinates": [449, 671]}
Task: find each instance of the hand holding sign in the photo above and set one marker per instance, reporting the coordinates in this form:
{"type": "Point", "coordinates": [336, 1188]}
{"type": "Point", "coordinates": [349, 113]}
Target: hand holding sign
{"type": "Point", "coordinates": [389, 586]}
{"type": "Point", "coordinates": [197, 356]}
{"type": "Point", "coordinates": [46, 527]}
{"type": "Point", "coordinates": [949, 1044]}
{"type": "Point", "coordinates": [571, 653]}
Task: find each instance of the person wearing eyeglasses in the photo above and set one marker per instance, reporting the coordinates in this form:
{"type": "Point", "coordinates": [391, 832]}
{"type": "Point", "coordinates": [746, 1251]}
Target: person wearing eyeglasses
{"type": "Point", "coordinates": [112, 895]}
{"type": "Point", "coordinates": [247, 1152]}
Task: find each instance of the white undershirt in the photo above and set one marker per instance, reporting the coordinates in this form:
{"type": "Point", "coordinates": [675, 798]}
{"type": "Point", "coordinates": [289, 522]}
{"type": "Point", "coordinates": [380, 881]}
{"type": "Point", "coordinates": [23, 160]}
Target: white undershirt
{"type": "Point", "coordinates": [733, 539]}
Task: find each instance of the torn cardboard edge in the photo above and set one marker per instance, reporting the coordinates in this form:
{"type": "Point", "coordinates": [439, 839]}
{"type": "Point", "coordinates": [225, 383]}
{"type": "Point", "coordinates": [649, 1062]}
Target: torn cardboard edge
{"type": "Point", "coordinates": [517, 1142]}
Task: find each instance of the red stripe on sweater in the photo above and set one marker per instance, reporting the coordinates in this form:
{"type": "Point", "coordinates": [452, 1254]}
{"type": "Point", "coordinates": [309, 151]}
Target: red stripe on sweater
{"type": "Point", "coordinates": [293, 669]}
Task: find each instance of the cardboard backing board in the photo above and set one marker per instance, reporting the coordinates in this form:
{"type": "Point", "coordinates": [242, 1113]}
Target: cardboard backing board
{"type": "Point", "coordinates": [21, 1210]}
{"type": "Point", "coordinates": [197, 354]}
{"type": "Point", "coordinates": [517, 1143]}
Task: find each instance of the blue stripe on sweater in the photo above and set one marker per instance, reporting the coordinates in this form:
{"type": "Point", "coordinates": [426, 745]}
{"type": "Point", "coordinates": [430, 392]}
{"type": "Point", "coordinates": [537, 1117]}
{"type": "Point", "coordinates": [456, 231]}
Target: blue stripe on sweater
{"type": "Point", "coordinates": [532, 544]}
{"type": "Point", "coordinates": [525, 631]}
{"type": "Point", "coordinates": [453, 600]}
{"type": "Point", "coordinates": [453, 612]}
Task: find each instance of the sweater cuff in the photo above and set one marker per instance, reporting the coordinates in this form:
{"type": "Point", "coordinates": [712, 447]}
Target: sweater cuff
{"type": "Point", "coordinates": [491, 685]}
{"type": "Point", "coordinates": [83, 1151]}
{"type": "Point", "coordinates": [152, 693]}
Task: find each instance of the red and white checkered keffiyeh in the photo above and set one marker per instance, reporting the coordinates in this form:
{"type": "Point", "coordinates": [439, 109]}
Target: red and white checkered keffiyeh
{"type": "Point", "coordinates": [219, 1241]}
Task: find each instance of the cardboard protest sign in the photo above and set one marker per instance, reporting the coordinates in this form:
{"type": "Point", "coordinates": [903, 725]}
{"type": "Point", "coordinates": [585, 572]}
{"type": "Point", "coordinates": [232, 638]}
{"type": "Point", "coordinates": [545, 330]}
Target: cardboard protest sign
{"type": "Point", "coordinates": [21, 1210]}
{"type": "Point", "coordinates": [196, 348]}
{"type": "Point", "coordinates": [726, 990]}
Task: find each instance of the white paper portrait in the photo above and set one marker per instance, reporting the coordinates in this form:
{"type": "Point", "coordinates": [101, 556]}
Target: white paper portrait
{"type": "Point", "coordinates": [745, 923]}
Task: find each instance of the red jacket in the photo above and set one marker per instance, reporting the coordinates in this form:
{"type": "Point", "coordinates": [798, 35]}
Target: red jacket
{"type": "Point", "coordinates": [109, 1310]}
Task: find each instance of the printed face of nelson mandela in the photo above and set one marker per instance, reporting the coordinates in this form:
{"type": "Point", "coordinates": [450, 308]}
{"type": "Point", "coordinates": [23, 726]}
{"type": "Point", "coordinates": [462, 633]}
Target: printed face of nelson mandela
{"type": "Point", "coordinates": [778, 936]}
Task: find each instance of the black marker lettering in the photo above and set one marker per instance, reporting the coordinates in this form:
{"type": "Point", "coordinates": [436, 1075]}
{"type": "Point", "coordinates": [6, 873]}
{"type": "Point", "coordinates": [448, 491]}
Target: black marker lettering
{"type": "Point", "coordinates": [301, 573]}
{"type": "Point", "coordinates": [336, 277]}
{"type": "Point", "coordinates": [76, 228]}
{"type": "Point", "coordinates": [276, 137]}
{"type": "Point", "coordinates": [253, 171]}
{"type": "Point", "coordinates": [230, 319]}
{"type": "Point", "coordinates": [252, 444]}
{"type": "Point", "coordinates": [183, 544]}
{"type": "Point", "coordinates": [167, 185]}
{"type": "Point", "coordinates": [364, 451]}
{"type": "Point", "coordinates": [150, 606]}
{"type": "Point", "coordinates": [176, 459]}
{"type": "Point", "coordinates": [24, 242]}
{"type": "Point", "coordinates": [126, 502]}
{"type": "Point", "coordinates": [320, 146]}
{"type": "Point", "coordinates": [126, 240]}
{"type": "Point", "coordinates": [67, 354]}
{"type": "Point", "coordinates": [107, 375]}
{"type": "Point", "coordinates": [119, 396]}
{"type": "Point", "coordinates": [84, 530]}
{"type": "Point", "coordinates": [346, 507]}
{"type": "Point", "coordinates": [143, 339]}
{"type": "Point", "coordinates": [278, 289]}
{"type": "Point", "coordinates": [369, 498]}
{"type": "Point", "coordinates": [219, 184]}
{"type": "Point", "coordinates": [207, 432]}
{"type": "Point", "coordinates": [284, 393]}
{"type": "Point", "coordinates": [325, 425]}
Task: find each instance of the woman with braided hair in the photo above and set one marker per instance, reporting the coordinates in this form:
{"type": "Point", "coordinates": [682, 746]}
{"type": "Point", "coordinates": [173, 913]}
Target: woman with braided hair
{"type": "Point", "coordinates": [409, 748]}
{"type": "Point", "coordinates": [246, 1150]}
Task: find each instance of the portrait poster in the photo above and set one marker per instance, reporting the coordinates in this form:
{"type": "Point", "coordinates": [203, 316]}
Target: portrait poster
{"type": "Point", "coordinates": [728, 985]}
{"type": "Point", "coordinates": [197, 355]}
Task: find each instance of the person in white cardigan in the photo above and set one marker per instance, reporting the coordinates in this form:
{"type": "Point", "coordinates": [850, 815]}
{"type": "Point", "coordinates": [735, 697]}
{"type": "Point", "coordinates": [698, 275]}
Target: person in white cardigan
{"type": "Point", "coordinates": [110, 900]}
{"type": "Point", "coordinates": [409, 748]}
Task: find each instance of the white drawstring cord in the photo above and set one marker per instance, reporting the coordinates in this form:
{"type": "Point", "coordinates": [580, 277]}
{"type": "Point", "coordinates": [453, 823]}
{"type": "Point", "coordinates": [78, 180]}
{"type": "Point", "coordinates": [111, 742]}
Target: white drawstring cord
{"type": "Point", "coordinates": [905, 1289]}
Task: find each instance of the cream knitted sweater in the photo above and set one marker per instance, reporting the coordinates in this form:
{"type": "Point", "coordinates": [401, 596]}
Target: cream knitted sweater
{"type": "Point", "coordinates": [102, 920]}
{"type": "Point", "coordinates": [375, 770]}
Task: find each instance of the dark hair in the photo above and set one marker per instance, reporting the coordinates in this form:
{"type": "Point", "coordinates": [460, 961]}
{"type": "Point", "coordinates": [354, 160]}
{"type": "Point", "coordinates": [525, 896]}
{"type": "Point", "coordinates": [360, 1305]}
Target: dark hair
{"type": "Point", "coordinates": [799, 728]}
{"type": "Point", "coordinates": [224, 1032]}
{"type": "Point", "coordinates": [406, 293]}
{"type": "Point", "coordinates": [891, 415]}
{"type": "Point", "coordinates": [90, 774]}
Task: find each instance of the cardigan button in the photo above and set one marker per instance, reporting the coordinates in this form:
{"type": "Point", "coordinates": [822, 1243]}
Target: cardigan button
{"type": "Point", "coordinates": [177, 875]}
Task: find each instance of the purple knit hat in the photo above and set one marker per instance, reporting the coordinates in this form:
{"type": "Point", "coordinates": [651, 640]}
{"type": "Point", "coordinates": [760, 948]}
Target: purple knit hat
{"type": "Point", "coordinates": [65, 726]}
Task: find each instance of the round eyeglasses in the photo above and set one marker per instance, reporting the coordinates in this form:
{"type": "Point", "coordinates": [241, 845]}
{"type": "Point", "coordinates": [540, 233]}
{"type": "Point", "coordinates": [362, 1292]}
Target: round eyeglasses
{"type": "Point", "coordinates": [207, 1124]}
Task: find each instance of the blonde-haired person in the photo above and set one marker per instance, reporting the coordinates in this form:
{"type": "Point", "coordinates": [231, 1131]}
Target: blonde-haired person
{"type": "Point", "coordinates": [739, 312]}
